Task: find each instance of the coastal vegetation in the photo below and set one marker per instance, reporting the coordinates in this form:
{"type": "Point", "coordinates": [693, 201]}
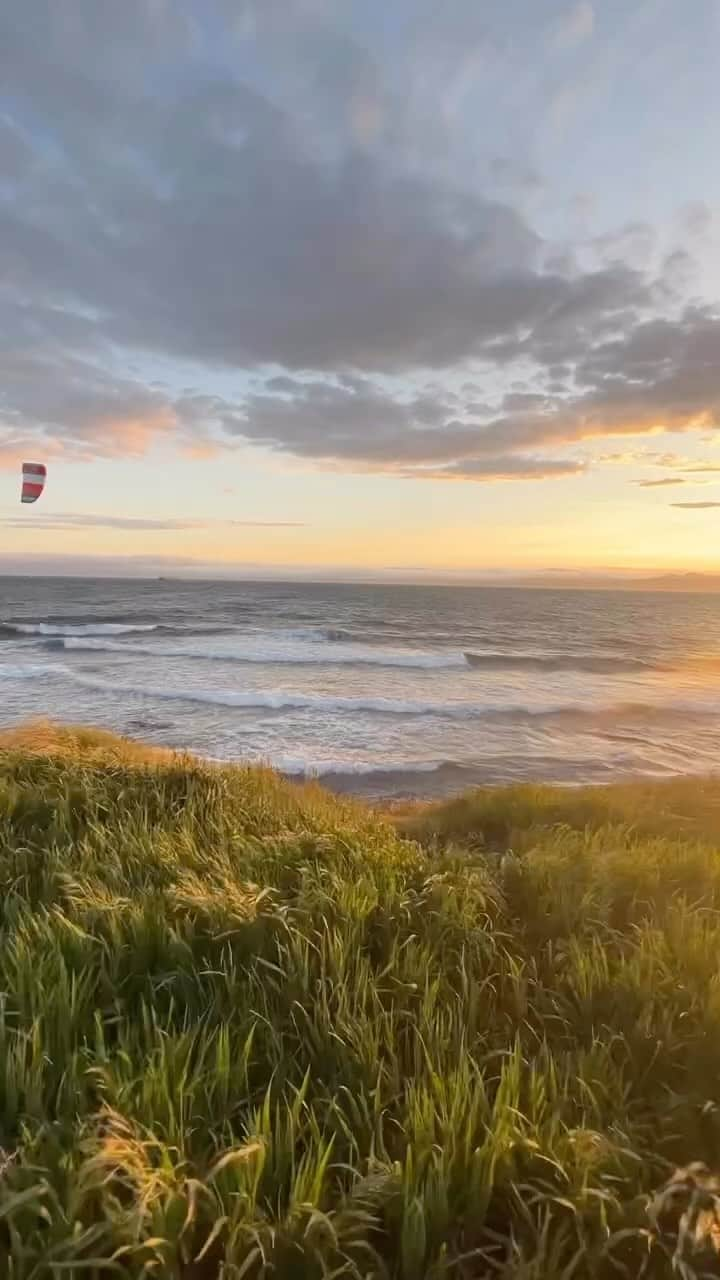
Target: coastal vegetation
{"type": "Point", "coordinates": [251, 1030]}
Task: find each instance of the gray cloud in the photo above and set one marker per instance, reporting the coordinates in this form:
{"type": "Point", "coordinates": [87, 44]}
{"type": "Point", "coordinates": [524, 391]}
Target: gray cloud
{"type": "Point", "coordinates": [695, 506]}
{"type": "Point", "coordinates": [75, 402]}
{"type": "Point", "coordinates": [635, 243]}
{"type": "Point", "coordinates": [62, 520]}
{"type": "Point", "coordinates": [15, 154]}
{"type": "Point", "coordinates": [357, 423]}
{"type": "Point", "coordinates": [205, 224]}
{"type": "Point", "coordinates": [165, 194]}
{"type": "Point", "coordinates": [661, 484]}
{"type": "Point", "coordinates": [665, 375]}
{"type": "Point", "coordinates": [696, 218]}
{"type": "Point", "coordinates": [576, 25]}
{"type": "Point", "coordinates": [285, 262]}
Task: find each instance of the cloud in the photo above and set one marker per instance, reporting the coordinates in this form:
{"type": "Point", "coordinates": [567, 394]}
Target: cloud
{"type": "Point", "coordinates": [15, 153]}
{"type": "Point", "coordinates": [522, 467]}
{"type": "Point", "coordinates": [286, 255]}
{"type": "Point", "coordinates": [696, 219]}
{"type": "Point", "coordinates": [63, 520]}
{"type": "Point", "coordinates": [287, 261]}
{"type": "Point", "coordinates": [695, 506]}
{"type": "Point", "coordinates": [355, 422]}
{"type": "Point", "coordinates": [660, 484]}
{"type": "Point", "coordinates": [177, 195]}
{"type": "Point", "coordinates": [663, 376]}
{"type": "Point", "coordinates": [576, 26]}
{"type": "Point", "coordinates": [676, 461]}
{"type": "Point", "coordinates": [72, 402]}
{"type": "Point", "coordinates": [699, 467]}
{"type": "Point", "coordinates": [634, 243]}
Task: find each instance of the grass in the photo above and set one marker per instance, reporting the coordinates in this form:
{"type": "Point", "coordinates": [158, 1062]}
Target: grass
{"type": "Point", "coordinates": [248, 1030]}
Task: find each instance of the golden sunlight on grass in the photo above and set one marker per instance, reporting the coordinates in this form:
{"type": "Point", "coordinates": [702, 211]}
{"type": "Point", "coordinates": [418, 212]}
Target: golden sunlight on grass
{"type": "Point", "coordinates": [247, 1030]}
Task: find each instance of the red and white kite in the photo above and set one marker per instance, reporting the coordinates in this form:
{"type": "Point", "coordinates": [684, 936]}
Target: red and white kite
{"type": "Point", "coordinates": [33, 480]}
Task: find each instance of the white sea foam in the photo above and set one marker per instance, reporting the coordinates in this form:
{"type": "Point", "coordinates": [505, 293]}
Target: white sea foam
{"type": "Point", "coordinates": [295, 767]}
{"type": "Point", "coordinates": [26, 670]}
{"type": "Point", "coordinates": [274, 654]}
{"type": "Point", "coordinates": [579, 716]}
{"type": "Point", "coordinates": [279, 700]}
{"type": "Point", "coordinates": [77, 628]}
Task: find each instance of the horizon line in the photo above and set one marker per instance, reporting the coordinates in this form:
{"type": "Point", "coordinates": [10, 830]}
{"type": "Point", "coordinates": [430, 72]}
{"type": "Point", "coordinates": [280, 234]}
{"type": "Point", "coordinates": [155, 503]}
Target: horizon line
{"type": "Point", "coordinates": [547, 579]}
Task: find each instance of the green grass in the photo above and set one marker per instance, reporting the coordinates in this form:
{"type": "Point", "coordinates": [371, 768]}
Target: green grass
{"type": "Point", "coordinates": [247, 1030]}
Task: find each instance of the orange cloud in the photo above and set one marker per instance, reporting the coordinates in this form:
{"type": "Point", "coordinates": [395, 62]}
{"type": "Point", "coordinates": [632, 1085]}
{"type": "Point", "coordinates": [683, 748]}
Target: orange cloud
{"type": "Point", "coordinates": [114, 434]}
{"type": "Point", "coordinates": [14, 451]}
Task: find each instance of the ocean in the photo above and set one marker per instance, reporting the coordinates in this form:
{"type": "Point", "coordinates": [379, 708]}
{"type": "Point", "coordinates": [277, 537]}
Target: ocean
{"type": "Point", "coordinates": [387, 691]}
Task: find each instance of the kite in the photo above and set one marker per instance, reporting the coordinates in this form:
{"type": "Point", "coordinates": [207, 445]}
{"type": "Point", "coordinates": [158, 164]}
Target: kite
{"type": "Point", "coordinates": [33, 480]}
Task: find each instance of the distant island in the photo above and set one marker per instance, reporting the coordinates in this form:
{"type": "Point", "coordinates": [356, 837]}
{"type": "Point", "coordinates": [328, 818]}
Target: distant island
{"type": "Point", "coordinates": [684, 582]}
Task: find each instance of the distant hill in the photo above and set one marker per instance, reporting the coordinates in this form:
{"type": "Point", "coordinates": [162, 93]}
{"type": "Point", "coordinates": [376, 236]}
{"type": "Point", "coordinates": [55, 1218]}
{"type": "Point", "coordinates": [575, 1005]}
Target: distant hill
{"type": "Point", "coordinates": [676, 582]}
{"type": "Point", "coordinates": [682, 582]}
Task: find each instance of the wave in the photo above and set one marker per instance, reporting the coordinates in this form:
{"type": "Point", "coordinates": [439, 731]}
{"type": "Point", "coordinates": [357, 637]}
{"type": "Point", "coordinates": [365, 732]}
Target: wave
{"type": "Point", "coordinates": [279, 701]}
{"type": "Point", "coordinates": [328, 646]}
{"type": "Point", "coordinates": [27, 670]}
{"type": "Point", "coordinates": [590, 663]}
{"type": "Point", "coordinates": [298, 768]}
{"type": "Point", "coordinates": [448, 777]}
{"type": "Point", "coordinates": [336, 635]}
{"type": "Point", "coordinates": [582, 718]}
{"type": "Point", "coordinates": [268, 656]}
{"type": "Point", "coordinates": [60, 629]}
{"type": "Point", "coordinates": [405, 775]}
{"type": "Point", "coordinates": [365, 656]}
{"type": "Point", "coordinates": [87, 630]}
{"type": "Point", "coordinates": [577, 716]}
{"type": "Point", "coordinates": [248, 700]}
{"type": "Point", "coordinates": [329, 635]}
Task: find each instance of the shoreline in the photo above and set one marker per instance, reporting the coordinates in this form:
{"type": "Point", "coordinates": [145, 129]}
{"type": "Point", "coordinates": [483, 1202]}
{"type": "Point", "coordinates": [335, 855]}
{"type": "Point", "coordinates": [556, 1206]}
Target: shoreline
{"type": "Point", "coordinates": [45, 735]}
{"type": "Point", "coordinates": [376, 785]}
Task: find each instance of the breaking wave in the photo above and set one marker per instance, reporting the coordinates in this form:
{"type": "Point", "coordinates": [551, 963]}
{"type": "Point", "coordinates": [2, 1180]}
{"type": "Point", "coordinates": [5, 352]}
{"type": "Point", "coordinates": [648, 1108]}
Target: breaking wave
{"type": "Point", "coordinates": [280, 700]}
{"type": "Point", "coordinates": [590, 663]}
{"type": "Point", "coordinates": [297, 768]}
{"type": "Point", "coordinates": [579, 717]}
{"type": "Point", "coordinates": [302, 652]}
{"type": "Point", "coordinates": [74, 628]}
{"type": "Point", "coordinates": [269, 656]}
{"type": "Point", "coordinates": [316, 647]}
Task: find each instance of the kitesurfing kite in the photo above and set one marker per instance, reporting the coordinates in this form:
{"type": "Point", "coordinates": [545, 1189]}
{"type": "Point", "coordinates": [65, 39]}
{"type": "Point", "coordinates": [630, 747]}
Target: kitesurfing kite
{"type": "Point", "coordinates": [33, 480]}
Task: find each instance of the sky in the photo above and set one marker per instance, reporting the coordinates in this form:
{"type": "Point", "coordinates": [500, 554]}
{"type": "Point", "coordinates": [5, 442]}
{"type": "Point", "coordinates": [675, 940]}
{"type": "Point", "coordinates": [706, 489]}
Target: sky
{"type": "Point", "coordinates": [348, 287]}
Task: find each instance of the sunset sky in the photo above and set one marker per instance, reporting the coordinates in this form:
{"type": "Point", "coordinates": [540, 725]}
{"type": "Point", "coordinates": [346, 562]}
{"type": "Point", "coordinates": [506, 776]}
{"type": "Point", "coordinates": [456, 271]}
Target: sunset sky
{"type": "Point", "coordinates": [350, 286]}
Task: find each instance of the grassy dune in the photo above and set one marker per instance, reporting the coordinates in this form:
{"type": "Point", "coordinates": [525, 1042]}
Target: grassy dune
{"type": "Point", "coordinates": [247, 1030]}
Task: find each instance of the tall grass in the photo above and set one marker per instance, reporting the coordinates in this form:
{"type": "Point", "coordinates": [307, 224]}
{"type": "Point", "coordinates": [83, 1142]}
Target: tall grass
{"type": "Point", "coordinates": [247, 1030]}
